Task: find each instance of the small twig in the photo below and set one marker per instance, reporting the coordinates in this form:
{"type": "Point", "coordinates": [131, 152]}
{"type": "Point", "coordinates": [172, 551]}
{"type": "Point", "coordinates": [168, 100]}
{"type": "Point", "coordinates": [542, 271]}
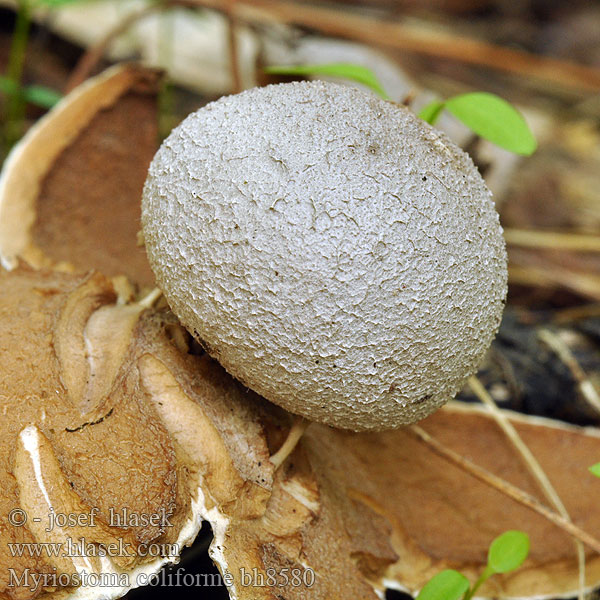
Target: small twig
{"type": "Point", "coordinates": [93, 55]}
{"type": "Point", "coordinates": [412, 38]}
{"type": "Point", "coordinates": [552, 239]}
{"type": "Point", "coordinates": [15, 114]}
{"type": "Point", "coordinates": [531, 462]}
{"type": "Point", "coordinates": [166, 62]}
{"type": "Point", "coordinates": [291, 441]}
{"type": "Point", "coordinates": [504, 487]}
{"type": "Point", "coordinates": [574, 313]}
{"type": "Point", "coordinates": [372, 30]}
{"type": "Point", "coordinates": [584, 383]}
{"type": "Point", "coordinates": [581, 562]}
{"type": "Point", "coordinates": [585, 284]}
{"type": "Point", "coordinates": [534, 467]}
{"type": "Point", "coordinates": [232, 44]}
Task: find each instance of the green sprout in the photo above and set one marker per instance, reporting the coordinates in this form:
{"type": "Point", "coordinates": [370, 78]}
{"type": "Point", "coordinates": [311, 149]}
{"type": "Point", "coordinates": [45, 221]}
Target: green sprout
{"type": "Point", "coordinates": [506, 553]}
{"type": "Point", "coordinates": [488, 115]}
{"type": "Point", "coordinates": [595, 469]}
{"type": "Point", "coordinates": [11, 83]}
{"type": "Point", "coordinates": [39, 95]}
{"type": "Point", "coordinates": [446, 585]}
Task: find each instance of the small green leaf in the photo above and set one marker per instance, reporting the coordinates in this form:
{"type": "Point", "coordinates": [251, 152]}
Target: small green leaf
{"type": "Point", "coordinates": [508, 551]}
{"type": "Point", "coordinates": [494, 119]}
{"type": "Point", "coordinates": [35, 94]}
{"type": "Point", "coordinates": [432, 111]}
{"type": "Point", "coordinates": [350, 71]}
{"type": "Point", "coordinates": [41, 95]}
{"type": "Point", "coordinates": [595, 469]}
{"type": "Point", "coordinates": [447, 585]}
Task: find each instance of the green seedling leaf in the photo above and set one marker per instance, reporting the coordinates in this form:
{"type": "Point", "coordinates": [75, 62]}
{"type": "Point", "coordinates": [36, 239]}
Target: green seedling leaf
{"type": "Point", "coordinates": [447, 585]}
{"type": "Point", "coordinates": [35, 94]}
{"type": "Point", "coordinates": [432, 111]}
{"type": "Point", "coordinates": [356, 73]}
{"type": "Point", "coordinates": [41, 96]}
{"type": "Point", "coordinates": [595, 469]}
{"type": "Point", "coordinates": [508, 551]}
{"type": "Point", "coordinates": [494, 119]}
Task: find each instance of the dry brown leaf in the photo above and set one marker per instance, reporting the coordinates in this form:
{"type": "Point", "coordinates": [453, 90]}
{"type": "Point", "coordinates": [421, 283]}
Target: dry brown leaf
{"type": "Point", "coordinates": [445, 518]}
{"type": "Point", "coordinates": [70, 190]}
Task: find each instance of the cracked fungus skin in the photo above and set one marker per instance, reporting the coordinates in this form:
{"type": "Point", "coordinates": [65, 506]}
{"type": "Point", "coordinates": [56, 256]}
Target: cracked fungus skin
{"type": "Point", "coordinates": [335, 253]}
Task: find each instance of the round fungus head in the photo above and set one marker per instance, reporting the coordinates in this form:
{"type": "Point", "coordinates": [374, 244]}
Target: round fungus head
{"type": "Point", "coordinates": [333, 252]}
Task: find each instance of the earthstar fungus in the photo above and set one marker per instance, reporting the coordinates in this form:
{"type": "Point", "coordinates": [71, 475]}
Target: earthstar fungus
{"type": "Point", "coordinates": [163, 428]}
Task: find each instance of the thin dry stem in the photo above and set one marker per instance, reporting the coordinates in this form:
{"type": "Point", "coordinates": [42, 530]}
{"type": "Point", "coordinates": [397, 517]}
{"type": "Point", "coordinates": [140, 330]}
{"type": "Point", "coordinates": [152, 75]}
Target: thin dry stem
{"type": "Point", "coordinates": [511, 433]}
{"type": "Point", "coordinates": [373, 31]}
{"type": "Point", "coordinates": [296, 432]}
{"type": "Point", "coordinates": [150, 299]}
{"type": "Point", "coordinates": [232, 43]}
{"type": "Point", "coordinates": [504, 487]}
{"type": "Point", "coordinates": [534, 467]}
{"type": "Point", "coordinates": [409, 37]}
{"type": "Point", "coordinates": [552, 239]}
{"type": "Point", "coordinates": [574, 313]}
{"type": "Point", "coordinates": [93, 55]}
{"type": "Point", "coordinates": [585, 385]}
{"type": "Point", "coordinates": [585, 284]}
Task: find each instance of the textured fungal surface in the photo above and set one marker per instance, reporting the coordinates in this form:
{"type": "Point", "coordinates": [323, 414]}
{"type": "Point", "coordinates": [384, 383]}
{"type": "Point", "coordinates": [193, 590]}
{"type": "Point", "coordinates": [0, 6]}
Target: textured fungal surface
{"type": "Point", "coordinates": [50, 217]}
{"type": "Point", "coordinates": [57, 459]}
{"type": "Point", "coordinates": [335, 254]}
